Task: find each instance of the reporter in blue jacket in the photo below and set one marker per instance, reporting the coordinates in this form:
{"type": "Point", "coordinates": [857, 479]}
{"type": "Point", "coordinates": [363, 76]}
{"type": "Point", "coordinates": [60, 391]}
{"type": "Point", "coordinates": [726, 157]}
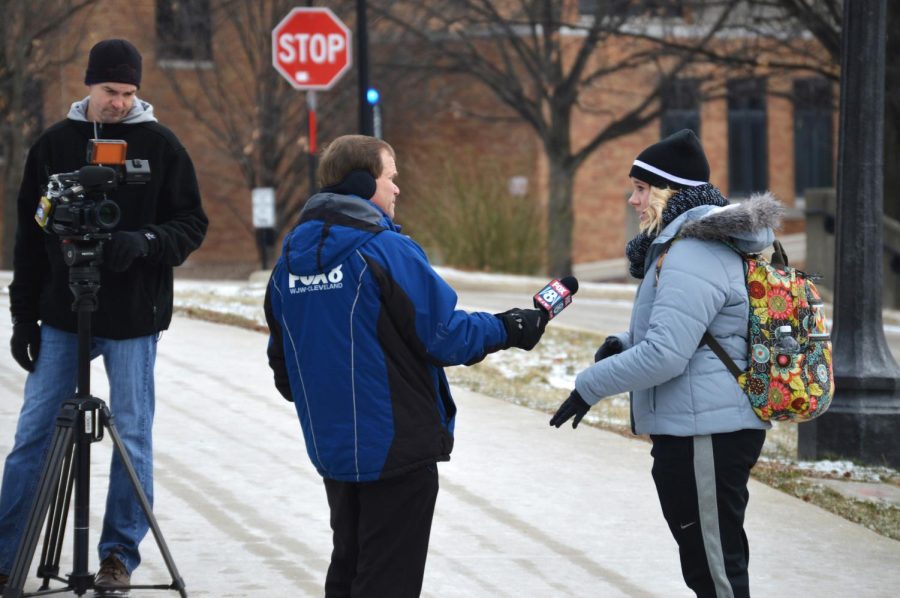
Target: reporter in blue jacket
{"type": "Point", "coordinates": [361, 329]}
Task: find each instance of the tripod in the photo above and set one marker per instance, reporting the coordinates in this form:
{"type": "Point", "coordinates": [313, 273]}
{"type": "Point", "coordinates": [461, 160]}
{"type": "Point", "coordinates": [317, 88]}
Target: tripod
{"type": "Point", "coordinates": [81, 422]}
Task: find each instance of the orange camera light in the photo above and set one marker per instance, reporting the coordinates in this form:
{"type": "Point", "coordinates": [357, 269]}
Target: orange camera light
{"type": "Point", "coordinates": [109, 152]}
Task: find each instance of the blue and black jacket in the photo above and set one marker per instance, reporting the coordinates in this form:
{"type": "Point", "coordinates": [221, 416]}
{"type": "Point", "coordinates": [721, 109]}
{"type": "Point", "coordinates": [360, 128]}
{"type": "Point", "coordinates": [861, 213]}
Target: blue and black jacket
{"type": "Point", "coordinates": [361, 328]}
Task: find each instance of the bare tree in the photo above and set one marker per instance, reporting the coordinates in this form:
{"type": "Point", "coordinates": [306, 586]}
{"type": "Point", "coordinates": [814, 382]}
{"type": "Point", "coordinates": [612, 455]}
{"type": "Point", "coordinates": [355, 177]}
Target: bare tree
{"type": "Point", "coordinates": [781, 36]}
{"type": "Point", "coordinates": [544, 60]}
{"type": "Point", "coordinates": [252, 115]}
{"type": "Point", "coordinates": [821, 18]}
{"type": "Point", "coordinates": [791, 21]}
{"type": "Point", "coordinates": [30, 31]}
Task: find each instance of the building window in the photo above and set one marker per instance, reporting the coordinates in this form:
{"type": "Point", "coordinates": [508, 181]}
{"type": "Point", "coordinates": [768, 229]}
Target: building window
{"type": "Point", "coordinates": [747, 140]}
{"type": "Point", "coordinates": [680, 107]}
{"type": "Point", "coordinates": [812, 134]}
{"type": "Point", "coordinates": [632, 8]}
{"type": "Point", "coordinates": [588, 8]}
{"type": "Point", "coordinates": [183, 32]}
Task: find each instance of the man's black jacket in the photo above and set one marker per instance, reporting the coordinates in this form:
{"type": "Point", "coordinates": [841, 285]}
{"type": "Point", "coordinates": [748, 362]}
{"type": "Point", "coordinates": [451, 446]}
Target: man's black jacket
{"type": "Point", "coordinates": [138, 301]}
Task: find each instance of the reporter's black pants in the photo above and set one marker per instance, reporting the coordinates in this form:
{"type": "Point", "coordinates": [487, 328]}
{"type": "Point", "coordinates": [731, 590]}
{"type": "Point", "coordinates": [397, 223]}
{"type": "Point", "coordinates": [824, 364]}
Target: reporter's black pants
{"type": "Point", "coordinates": [381, 532]}
{"type": "Point", "coordinates": [702, 486]}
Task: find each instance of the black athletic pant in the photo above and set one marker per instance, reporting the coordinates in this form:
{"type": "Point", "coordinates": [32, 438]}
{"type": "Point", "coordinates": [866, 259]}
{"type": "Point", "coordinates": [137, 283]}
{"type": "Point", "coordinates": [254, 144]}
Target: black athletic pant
{"type": "Point", "coordinates": [702, 486]}
{"type": "Point", "coordinates": [381, 532]}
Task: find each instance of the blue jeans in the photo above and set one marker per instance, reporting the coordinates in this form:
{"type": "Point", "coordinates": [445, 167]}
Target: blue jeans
{"type": "Point", "coordinates": [129, 367]}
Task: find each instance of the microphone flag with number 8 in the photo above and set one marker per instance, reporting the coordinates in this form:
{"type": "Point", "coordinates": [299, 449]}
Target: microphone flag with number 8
{"type": "Point", "coordinates": [556, 296]}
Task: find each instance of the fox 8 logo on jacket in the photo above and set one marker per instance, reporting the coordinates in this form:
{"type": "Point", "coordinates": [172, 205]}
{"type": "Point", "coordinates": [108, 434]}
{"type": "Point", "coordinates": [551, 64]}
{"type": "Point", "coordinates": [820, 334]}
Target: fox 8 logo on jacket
{"type": "Point", "coordinates": [316, 282]}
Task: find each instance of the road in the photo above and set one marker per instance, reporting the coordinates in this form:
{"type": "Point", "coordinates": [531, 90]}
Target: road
{"type": "Point", "coordinates": [588, 313]}
{"type": "Point", "coordinates": [525, 510]}
{"type": "Point", "coordinates": [602, 308]}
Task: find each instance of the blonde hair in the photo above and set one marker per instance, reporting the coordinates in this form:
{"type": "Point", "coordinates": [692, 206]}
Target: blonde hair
{"type": "Point", "coordinates": [659, 198]}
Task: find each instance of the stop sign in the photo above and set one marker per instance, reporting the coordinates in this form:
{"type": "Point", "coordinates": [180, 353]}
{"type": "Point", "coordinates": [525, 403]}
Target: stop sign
{"type": "Point", "coordinates": [311, 48]}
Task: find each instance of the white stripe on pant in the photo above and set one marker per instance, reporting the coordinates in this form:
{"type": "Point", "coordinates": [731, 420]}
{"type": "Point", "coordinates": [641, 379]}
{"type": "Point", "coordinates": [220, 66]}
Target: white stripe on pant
{"type": "Point", "coordinates": [702, 486]}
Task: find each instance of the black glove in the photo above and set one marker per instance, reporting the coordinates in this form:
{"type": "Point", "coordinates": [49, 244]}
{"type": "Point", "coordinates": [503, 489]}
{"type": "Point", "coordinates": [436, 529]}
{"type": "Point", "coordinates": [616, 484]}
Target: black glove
{"type": "Point", "coordinates": [123, 248]}
{"type": "Point", "coordinates": [524, 327]}
{"type": "Point", "coordinates": [574, 405]}
{"type": "Point", "coordinates": [611, 346]}
{"type": "Point", "coordinates": [25, 344]}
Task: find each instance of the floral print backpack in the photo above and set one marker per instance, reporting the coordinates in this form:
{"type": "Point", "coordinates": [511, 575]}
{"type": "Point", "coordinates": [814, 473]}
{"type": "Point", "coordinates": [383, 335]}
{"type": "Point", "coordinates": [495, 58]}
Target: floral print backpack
{"type": "Point", "coordinates": [789, 376]}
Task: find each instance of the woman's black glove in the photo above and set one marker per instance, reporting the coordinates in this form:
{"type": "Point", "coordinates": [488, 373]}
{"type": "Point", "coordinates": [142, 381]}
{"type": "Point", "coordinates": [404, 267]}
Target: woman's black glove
{"type": "Point", "coordinates": [611, 346]}
{"type": "Point", "coordinates": [574, 405]}
{"type": "Point", "coordinates": [25, 344]}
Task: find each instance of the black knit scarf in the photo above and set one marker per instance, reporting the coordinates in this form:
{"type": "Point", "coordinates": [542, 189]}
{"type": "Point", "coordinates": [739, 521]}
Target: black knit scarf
{"type": "Point", "coordinates": [678, 204]}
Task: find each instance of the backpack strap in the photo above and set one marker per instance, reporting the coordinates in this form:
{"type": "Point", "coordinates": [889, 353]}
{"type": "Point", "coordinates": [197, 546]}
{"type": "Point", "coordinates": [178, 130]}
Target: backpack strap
{"type": "Point", "coordinates": [779, 257]}
{"type": "Point", "coordinates": [662, 256]}
{"type": "Point", "coordinates": [708, 339]}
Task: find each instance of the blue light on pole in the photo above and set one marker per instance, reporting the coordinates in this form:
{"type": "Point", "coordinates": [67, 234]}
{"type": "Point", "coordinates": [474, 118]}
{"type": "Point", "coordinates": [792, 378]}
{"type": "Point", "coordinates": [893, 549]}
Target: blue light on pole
{"type": "Point", "coordinates": [372, 97]}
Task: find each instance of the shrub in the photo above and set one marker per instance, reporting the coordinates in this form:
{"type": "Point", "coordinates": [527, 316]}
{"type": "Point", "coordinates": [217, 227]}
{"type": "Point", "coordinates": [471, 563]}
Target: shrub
{"type": "Point", "coordinates": [465, 217]}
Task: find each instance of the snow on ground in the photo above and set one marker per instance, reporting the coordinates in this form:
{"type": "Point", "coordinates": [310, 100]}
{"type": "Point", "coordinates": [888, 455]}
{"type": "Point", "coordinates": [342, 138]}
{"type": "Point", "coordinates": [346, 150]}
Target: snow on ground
{"type": "Point", "coordinates": [244, 299]}
{"type": "Point", "coordinates": [848, 470]}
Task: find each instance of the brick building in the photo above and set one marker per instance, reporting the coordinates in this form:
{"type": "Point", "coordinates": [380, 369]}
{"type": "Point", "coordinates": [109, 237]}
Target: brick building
{"type": "Point", "coordinates": [773, 132]}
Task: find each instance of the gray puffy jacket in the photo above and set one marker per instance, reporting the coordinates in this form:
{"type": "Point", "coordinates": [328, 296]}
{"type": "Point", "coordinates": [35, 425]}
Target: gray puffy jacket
{"type": "Point", "coordinates": [676, 387]}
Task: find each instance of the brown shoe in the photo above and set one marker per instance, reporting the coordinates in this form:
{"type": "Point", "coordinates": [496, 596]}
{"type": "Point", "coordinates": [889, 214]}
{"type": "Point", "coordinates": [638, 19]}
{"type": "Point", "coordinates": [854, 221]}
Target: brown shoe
{"type": "Point", "coordinates": [112, 579]}
{"type": "Point", "coordinates": [3, 579]}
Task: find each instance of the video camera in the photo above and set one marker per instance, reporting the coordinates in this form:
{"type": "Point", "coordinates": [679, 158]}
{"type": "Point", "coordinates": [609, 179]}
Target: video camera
{"type": "Point", "coordinates": [75, 206]}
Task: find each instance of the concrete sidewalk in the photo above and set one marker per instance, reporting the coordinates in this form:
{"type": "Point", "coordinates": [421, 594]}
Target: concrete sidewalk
{"type": "Point", "coordinates": [524, 510]}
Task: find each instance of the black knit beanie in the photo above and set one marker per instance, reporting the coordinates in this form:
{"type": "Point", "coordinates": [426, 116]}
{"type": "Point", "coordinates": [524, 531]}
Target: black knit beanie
{"type": "Point", "coordinates": [677, 161]}
{"type": "Point", "coordinates": [113, 61]}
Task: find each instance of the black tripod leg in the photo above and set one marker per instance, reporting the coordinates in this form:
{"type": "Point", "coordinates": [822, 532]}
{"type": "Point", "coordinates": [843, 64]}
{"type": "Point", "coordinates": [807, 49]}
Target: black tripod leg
{"type": "Point", "coordinates": [60, 446]}
{"type": "Point", "coordinates": [177, 582]}
{"type": "Point", "coordinates": [48, 568]}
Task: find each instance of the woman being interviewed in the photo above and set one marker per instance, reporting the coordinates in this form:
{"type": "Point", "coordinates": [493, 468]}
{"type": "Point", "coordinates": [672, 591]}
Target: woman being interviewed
{"type": "Point", "coordinates": [705, 435]}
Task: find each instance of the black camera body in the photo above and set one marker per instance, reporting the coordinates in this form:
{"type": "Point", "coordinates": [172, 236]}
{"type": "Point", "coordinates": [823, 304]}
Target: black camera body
{"type": "Point", "coordinates": [75, 203]}
{"type": "Point", "coordinates": [76, 209]}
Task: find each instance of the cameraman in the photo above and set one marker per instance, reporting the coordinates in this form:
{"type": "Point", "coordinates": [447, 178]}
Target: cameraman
{"type": "Point", "coordinates": [361, 329]}
{"type": "Point", "coordinates": [162, 222]}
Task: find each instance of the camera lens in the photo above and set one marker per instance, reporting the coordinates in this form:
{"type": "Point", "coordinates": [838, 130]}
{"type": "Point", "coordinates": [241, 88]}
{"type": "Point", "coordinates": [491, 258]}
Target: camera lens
{"type": "Point", "coordinates": [107, 214]}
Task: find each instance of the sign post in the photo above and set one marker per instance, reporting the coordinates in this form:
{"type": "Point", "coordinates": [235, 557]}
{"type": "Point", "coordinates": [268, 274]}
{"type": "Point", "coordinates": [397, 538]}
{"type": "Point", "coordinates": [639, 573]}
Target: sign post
{"type": "Point", "coordinates": [311, 49]}
{"type": "Point", "coordinates": [263, 200]}
{"type": "Point", "coordinates": [311, 105]}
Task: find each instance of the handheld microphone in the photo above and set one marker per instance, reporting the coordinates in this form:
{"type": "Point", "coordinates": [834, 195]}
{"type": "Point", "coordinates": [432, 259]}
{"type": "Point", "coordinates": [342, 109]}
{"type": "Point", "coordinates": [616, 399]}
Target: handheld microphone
{"type": "Point", "coordinates": [556, 296]}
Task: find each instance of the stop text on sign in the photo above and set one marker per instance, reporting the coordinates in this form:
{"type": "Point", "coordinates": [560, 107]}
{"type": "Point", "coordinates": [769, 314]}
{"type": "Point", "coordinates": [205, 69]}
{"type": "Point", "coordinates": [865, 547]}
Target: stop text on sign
{"type": "Point", "coordinates": [318, 48]}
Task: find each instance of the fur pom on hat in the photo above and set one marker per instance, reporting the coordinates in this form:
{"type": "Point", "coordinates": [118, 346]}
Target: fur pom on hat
{"type": "Point", "coordinates": [114, 61]}
{"type": "Point", "coordinates": [677, 162]}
